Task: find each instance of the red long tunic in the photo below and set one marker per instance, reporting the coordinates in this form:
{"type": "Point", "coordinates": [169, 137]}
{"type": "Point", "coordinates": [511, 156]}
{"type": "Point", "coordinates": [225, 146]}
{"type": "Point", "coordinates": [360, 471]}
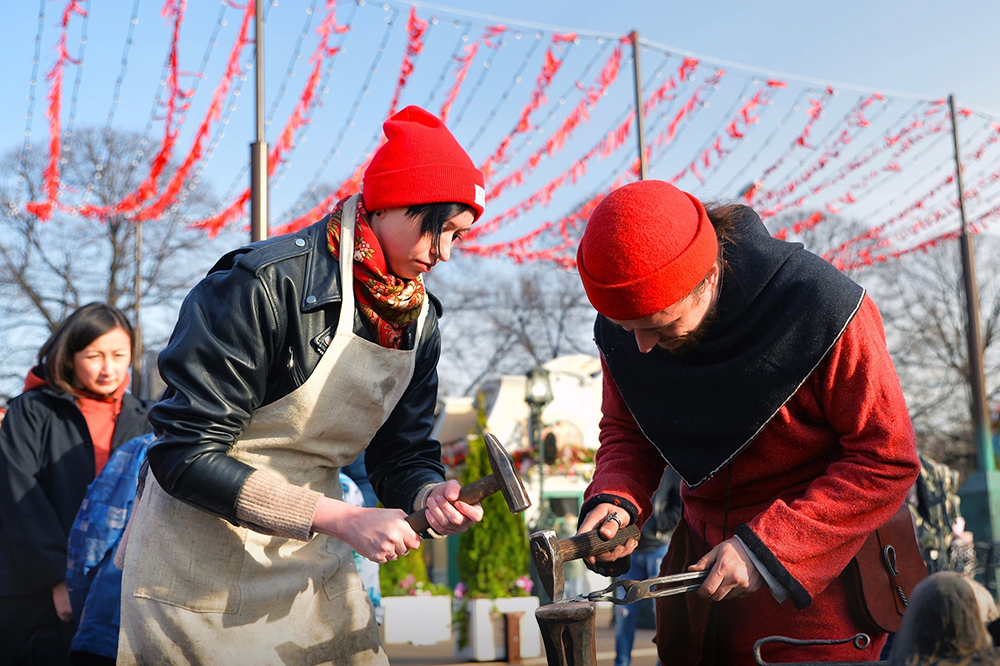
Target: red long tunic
{"type": "Point", "coordinates": [832, 465]}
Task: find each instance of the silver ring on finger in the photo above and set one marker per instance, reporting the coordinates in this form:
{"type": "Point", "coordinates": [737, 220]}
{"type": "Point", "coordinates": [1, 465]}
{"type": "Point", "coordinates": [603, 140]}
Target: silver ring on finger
{"type": "Point", "coordinates": [614, 516]}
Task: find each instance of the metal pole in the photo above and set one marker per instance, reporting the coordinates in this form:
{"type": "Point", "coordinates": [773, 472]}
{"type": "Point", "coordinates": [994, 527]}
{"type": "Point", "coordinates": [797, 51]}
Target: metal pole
{"type": "Point", "coordinates": [137, 351]}
{"type": "Point", "coordinates": [980, 410]}
{"type": "Point", "coordinates": [258, 149]}
{"type": "Point", "coordinates": [640, 124]}
{"type": "Point", "coordinates": [536, 420]}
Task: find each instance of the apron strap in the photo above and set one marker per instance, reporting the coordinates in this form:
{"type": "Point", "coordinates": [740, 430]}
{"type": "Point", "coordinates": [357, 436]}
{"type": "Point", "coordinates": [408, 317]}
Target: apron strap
{"type": "Point", "coordinates": [347, 216]}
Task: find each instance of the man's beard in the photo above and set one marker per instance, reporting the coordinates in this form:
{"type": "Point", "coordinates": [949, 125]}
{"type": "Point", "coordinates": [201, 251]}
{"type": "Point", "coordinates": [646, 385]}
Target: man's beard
{"type": "Point", "coordinates": [685, 342]}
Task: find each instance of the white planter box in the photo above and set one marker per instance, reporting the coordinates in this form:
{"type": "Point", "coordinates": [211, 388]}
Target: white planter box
{"type": "Point", "coordinates": [421, 620]}
{"type": "Point", "coordinates": [487, 628]}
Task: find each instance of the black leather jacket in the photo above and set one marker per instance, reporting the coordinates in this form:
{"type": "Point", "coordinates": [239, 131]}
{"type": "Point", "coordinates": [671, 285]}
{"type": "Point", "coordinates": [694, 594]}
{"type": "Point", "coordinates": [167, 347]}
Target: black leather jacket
{"type": "Point", "coordinates": [250, 333]}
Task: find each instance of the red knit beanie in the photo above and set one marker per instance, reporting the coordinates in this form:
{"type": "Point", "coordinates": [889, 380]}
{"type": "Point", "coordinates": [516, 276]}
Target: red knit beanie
{"type": "Point", "coordinates": [646, 246]}
{"type": "Point", "coordinates": [421, 163]}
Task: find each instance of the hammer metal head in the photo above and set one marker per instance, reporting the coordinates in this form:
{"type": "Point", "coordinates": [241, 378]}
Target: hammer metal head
{"type": "Point", "coordinates": [548, 560]}
{"type": "Point", "coordinates": [506, 476]}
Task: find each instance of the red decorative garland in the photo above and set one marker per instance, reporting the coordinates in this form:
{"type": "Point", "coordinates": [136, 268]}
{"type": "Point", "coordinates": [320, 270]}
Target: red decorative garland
{"type": "Point", "coordinates": [50, 177]}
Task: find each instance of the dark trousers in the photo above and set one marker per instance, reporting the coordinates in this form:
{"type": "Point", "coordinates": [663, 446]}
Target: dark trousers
{"type": "Point", "coordinates": [31, 634]}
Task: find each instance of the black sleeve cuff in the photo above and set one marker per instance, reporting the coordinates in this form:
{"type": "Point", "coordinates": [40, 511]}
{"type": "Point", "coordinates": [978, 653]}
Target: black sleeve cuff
{"type": "Point", "coordinates": [607, 498]}
{"type": "Point", "coordinates": [621, 566]}
{"type": "Point", "coordinates": [800, 597]}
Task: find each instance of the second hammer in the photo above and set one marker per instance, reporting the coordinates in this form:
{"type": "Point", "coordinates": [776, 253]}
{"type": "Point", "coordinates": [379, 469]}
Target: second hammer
{"type": "Point", "coordinates": [550, 553]}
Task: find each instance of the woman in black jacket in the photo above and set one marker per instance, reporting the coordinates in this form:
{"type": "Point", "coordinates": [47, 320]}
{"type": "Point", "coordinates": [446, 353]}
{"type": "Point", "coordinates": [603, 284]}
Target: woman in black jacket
{"type": "Point", "coordinates": [55, 439]}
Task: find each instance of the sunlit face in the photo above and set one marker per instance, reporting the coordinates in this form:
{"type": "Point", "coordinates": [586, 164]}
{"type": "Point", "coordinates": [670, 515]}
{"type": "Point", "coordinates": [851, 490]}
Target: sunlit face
{"type": "Point", "coordinates": [102, 366]}
{"type": "Point", "coordinates": [408, 251]}
{"type": "Point", "coordinates": [679, 326]}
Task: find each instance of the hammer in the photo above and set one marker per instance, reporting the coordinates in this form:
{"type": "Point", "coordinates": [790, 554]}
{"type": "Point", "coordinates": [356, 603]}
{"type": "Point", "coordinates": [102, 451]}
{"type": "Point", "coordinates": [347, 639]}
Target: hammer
{"type": "Point", "coordinates": [504, 479]}
{"type": "Point", "coordinates": [549, 553]}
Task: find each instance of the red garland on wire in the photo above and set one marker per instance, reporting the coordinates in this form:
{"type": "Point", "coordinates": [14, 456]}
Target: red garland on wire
{"type": "Point", "coordinates": [465, 62]}
{"type": "Point", "coordinates": [666, 136]}
{"type": "Point", "coordinates": [43, 209]}
{"type": "Point", "coordinates": [814, 112]}
{"type": "Point", "coordinates": [854, 118]}
{"type": "Point", "coordinates": [578, 115]}
{"type": "Point", "coordinates": [612, 141]}
{"type": "Point", "coordinates": [176, 182]}
{"type": "Point", "coordinates": [550, 67]}
{"type": "Point", "coordinates": [299, 117]}
{"type": "Point", "coordinates": [353, 183]}
{"type": "Point", "coordinates": [744, 117]}
{"type": "Point", "coordinates": [836, 256]}
{"type": "Point", "coordinates": [147, 188]}
{"type": "Point", "coordinates": [520, 250]}
{"type": "Point", "coordinates": [415, 28]}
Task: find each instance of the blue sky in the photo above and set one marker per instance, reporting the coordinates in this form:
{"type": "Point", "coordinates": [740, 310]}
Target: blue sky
{"type": "Point", "coordinates": [917, 48]}
{"type": "Point", "coordinates": [913, 47]}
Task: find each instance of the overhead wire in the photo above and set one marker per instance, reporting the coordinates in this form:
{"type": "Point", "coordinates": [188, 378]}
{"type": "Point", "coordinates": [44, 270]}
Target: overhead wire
{"type": "Point", "coordinates": [32, 83]}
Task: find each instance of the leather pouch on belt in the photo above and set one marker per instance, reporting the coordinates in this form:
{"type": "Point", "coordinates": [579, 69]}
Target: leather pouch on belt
{"type": "Point", "coordinates": [881, 577]}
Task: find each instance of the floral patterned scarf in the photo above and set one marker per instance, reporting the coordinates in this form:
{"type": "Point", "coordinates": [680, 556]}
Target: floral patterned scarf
{"type": "Point", "coordinates": [389, 303]}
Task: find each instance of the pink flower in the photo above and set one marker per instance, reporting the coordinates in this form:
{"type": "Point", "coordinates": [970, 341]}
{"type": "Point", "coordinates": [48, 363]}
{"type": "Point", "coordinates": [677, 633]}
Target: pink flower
{"type": "Point", "coordinates": [407, 582]}
{"type": "Point", "coordinates": [460, 590]}
{"type": "Point", "coordinates": [524, 583]}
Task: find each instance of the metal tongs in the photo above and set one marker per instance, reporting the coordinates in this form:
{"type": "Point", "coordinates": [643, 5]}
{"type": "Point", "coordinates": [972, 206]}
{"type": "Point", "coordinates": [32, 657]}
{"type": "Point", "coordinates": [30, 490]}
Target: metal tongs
{"type": "Point", "coordinates": [637, 590]}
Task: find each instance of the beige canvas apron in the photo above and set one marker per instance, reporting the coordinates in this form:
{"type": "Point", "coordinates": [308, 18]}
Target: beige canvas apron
{"type": "Point", "coordinates": [199, 590]}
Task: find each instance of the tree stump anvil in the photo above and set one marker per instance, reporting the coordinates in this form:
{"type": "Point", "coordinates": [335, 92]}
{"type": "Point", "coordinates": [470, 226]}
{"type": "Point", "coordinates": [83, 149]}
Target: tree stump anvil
{"type": "Point", "coordinates": [568, 633]}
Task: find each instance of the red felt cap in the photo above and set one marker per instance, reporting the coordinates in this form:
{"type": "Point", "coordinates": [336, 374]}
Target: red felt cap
{"type": "Point", "coordinates": [421, 163]}
{"type": "Point", "coordinates": [646, 246]}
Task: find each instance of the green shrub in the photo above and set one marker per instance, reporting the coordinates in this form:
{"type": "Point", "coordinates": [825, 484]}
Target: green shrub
{"type": "Point", "coordinates": [493, 554]}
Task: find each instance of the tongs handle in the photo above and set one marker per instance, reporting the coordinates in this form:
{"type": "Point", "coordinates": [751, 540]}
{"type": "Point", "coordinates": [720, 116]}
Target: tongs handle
{"type": "Point", "coordinates": [637, 590]}
{"type": "Point", "coordinates": [645, 589]}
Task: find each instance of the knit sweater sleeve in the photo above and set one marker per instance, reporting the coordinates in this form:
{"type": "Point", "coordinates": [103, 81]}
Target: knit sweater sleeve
{"type": "Point", "coordinates": [627, 466]}
{"type": "Point", "coordinates": [809, 539]}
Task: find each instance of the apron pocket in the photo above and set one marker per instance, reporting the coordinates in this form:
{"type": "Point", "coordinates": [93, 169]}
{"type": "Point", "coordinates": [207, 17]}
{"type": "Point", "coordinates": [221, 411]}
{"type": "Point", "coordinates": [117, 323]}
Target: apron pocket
{"type": "Point", "coordinates": [344, 575]}
{"type": "Point", "coordinates": [187, 558]}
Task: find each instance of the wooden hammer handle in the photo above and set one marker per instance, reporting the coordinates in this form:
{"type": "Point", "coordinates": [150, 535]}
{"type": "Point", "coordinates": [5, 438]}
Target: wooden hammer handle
{"type": "Point", "coordinates": [591, 543]}
{"type": "Point", "coordinates": [473, 493]}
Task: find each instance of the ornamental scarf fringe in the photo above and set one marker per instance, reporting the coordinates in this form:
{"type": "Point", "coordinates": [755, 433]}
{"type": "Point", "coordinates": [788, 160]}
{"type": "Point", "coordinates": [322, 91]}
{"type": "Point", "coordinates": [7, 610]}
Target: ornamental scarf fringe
{"type": "Point", "coordinates": [389, 303]}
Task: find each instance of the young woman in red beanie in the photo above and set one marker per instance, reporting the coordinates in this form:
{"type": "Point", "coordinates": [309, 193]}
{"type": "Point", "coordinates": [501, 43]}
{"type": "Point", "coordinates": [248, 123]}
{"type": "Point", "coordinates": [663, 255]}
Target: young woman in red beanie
{"type": "Point", "coordinates": [760, 374]}
{"type": "Point", "coordinates": [55, 440]}
{"type": "Point", "coordinates": [288, 360]}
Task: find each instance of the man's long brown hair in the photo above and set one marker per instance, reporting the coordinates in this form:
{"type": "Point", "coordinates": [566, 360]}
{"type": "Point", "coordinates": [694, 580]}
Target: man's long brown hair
{"type": "Point", "coordinates": [723, 217]}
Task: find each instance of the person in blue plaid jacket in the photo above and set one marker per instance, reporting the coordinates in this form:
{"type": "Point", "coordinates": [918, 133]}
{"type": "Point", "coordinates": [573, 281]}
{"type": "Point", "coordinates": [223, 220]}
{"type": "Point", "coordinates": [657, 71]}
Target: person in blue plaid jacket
{"type": "Point", "coordinates": [93, 580]}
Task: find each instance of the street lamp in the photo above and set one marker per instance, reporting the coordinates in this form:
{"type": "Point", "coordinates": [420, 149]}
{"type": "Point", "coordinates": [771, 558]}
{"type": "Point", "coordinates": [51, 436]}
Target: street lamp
{"type": "Point", "coordinates": [538, 393]}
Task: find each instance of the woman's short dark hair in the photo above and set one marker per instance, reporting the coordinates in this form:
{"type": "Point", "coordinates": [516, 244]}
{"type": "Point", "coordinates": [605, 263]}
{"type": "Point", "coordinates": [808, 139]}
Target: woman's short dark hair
{"type": "Point", "coordinates": [433, 217]}
{"type": "Point", "coordinates": [73, 335]}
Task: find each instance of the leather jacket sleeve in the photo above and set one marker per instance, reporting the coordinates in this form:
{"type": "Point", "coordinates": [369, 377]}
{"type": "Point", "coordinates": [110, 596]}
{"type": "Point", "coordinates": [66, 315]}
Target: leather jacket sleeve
{"type": "Point", "coordinates": [216, 371]}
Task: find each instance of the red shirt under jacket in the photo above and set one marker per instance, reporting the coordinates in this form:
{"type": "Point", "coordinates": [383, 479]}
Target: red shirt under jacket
{"type": "Point", "coordinates": [834, 463]}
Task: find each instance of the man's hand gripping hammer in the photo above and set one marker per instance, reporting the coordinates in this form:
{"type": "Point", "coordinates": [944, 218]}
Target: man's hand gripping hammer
{"type": "Point", "coordinates": [550, 553]}
{"type": "Point", "coordinates": [503, 479]}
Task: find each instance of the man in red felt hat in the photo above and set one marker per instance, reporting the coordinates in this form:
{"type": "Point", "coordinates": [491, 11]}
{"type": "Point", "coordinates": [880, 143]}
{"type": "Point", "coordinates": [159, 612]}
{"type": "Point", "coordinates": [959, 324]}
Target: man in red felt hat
{"type": "Point", "coordinates": [760, 374]}
{"type": "Point", "coordinates": [288, 360]}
